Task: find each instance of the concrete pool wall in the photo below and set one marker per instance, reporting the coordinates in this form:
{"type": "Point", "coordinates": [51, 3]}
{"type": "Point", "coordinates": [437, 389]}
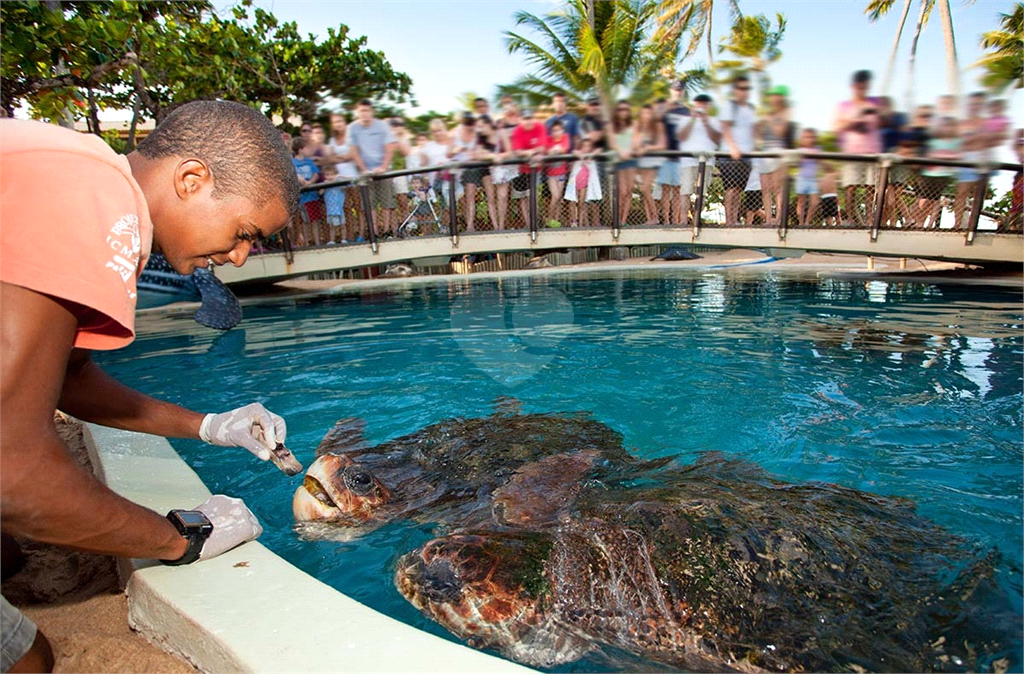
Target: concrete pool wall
{"type": "Point", "coordinates": [248, 610]}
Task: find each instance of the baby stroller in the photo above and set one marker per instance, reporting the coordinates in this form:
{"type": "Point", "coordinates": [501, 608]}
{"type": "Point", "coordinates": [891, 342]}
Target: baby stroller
{"type": "Point", "coordinates": [422, 212]}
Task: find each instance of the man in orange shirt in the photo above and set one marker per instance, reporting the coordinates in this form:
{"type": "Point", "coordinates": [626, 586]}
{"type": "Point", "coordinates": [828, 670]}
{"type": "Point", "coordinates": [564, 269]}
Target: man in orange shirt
{"type": "Point", "coordinates": [201, 188]}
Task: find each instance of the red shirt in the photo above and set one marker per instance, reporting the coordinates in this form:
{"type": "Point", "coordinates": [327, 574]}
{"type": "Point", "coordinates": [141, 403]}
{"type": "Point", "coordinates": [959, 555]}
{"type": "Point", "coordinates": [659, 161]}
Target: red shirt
{"type": "Point", "coordinates": [523, 139]}
{"type": "Point", "coordinates": [561, 147]}
{"type": "Point", "coordinates": [75, 226]}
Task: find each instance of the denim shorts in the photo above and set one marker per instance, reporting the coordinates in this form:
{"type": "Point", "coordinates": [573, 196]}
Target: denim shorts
{"type": "Point", "coordinates": [806, 185]}
{"type": "Point", "coordinates": [17, 634]}
{"type": "Point", "coordinates": [668, 173]}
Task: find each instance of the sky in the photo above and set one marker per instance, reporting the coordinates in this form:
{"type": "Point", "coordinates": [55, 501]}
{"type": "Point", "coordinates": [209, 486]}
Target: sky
{"type": "Point", "coordinates": [449, 47]}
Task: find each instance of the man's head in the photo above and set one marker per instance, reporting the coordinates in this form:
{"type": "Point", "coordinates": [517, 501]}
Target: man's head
{"type": "Point", "coordinates": [558, 103]}
{"type": "Point", "coordinates": [305, 129]}
{"type": "Point", "coordinates": [594, 106]}
{"type": "Point", "coordinates": [675, 92]}
{"type": "Point", "coordinates": [701, 103]}
{"type": "Point", "coordinates": [364, 111]}
{"type": "Point", "coordinates": [976, 103]}
{"type": "Point", "coordinates": [741, 88]}
{"type": "Point", "coordinates": [217, 176]}
{"type": "Point", "coordinates": [860, 83]}
{"type": "Point", "coordinates": [527, 119]}
{"type": "Point", "coordinates": [481, 106]}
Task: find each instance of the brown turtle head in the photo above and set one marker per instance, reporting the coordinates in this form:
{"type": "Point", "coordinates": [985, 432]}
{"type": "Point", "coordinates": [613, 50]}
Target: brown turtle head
{"type": "Point", "coordinates": [338, 488]}
{"type": "Point", "coordinates": [491, 590]}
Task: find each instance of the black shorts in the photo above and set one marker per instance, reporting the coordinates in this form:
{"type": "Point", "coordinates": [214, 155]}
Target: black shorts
{"type": "Point", "coordinates": [830, 207]}
{"type": "Point", "coordinates": [521, 182]}
{"type": "Point", "coordinates": [753, 201]}
{"type": "Point", "coordinates": [734, 173]}
{"type": "Point", "coordinates": [473, 176]}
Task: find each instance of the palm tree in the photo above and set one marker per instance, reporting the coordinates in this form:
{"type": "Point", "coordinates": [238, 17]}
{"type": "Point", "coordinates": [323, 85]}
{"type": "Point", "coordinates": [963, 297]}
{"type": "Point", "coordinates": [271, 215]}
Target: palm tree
{"type": "Point", "coordinates": [612, 57]}
{"type": "Point", "coordinates": [1004, 65]}
{"type": "Point", "coordinates": [877, 9]}
{"type": "Point", "coordinates": [676, 17]}
{"type": "Point", "coordinates": [755, 44]}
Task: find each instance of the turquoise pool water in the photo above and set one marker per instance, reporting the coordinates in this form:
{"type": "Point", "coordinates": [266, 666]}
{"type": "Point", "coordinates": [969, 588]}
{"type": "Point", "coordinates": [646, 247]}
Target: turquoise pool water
{"type": "Point", "coordinates": [901, 389]}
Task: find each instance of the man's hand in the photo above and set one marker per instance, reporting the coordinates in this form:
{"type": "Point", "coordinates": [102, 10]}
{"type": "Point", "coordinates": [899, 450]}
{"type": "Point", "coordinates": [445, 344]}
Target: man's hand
{"type": "Point", "coordinates": [253, 427]}
{"type": "Point", "coordinates": [233, 524]}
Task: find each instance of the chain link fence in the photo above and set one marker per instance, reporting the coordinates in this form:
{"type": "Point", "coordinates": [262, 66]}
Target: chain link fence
{"type": "Point", "coordinates": [782, 190]}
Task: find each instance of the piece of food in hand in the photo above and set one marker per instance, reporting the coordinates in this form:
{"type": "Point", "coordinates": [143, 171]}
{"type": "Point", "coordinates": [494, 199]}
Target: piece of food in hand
{"type": "Point", "coordinates": [285, 460]}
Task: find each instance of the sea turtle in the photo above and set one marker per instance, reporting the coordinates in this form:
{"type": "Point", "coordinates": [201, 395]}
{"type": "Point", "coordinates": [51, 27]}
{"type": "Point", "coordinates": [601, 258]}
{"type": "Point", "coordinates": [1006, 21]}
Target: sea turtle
{"type": "Point", "coordinates": [713, 567]}
{"type": "Point", "coordinates": [445, 472]}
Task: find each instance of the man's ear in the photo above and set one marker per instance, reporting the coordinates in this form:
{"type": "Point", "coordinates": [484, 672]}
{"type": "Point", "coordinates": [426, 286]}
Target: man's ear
{"type": "Point", "coordinates": [190, 177]}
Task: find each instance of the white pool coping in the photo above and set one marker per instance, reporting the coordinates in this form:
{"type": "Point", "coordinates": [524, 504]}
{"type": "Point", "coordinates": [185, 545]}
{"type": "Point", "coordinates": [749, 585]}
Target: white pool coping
{"type": "Point", "coordinates": [249, 610]}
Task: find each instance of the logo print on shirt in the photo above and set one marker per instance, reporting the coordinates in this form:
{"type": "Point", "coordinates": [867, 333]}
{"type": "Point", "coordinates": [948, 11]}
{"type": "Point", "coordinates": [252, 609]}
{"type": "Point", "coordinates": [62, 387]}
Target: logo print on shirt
{"type": "Point", "coordinates": [126, 243]}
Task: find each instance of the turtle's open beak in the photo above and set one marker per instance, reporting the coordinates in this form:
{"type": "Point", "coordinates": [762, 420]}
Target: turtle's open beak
{"type": "Point", "coordinates": [319, 496]}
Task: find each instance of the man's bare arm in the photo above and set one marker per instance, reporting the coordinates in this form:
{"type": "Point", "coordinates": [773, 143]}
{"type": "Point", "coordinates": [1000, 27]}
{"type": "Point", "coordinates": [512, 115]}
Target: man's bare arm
{"type": "Point", "coordinates": [92, 395]}
{"type": "Point", "coordinates": [43, 494]}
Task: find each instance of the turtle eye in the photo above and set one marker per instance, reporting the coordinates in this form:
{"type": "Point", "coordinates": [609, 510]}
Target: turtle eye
{"type": "Point", "coordinates": [359, 481]}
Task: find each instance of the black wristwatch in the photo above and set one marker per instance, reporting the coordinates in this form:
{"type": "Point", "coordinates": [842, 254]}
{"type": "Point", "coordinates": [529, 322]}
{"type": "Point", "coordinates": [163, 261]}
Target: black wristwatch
{"type": "Point", "coordinates": [196, 528]}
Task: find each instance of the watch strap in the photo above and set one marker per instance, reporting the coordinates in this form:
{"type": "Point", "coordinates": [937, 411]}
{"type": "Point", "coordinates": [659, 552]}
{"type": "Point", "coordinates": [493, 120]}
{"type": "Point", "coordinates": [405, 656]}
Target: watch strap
{"type": "Point", "coordinates": [195, 539]}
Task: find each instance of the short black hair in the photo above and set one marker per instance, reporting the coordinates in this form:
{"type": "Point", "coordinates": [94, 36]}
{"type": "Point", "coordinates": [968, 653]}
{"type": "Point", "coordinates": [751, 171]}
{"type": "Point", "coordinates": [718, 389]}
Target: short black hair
{"type": "Point", "coordinates": [479, 99]}
{"type": "Point", "coordinates": [862, 76]}
{"type": "Point", "coordinates": [740, 78]}
{"type": "Point", "coordinates": [241, 147]}
{"type": "Point", "coordinates": [366, 101]}
{"type": "Point", "coordinates": [557, 123]}
{"type": "Point", "coordinates": [558, 94]}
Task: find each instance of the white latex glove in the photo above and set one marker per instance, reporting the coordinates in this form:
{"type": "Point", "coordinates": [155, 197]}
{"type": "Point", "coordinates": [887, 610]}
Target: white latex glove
{"type": "Point", "coordinates": [233, 524]}
{"type": "Point", "coordinates": [252, 427]}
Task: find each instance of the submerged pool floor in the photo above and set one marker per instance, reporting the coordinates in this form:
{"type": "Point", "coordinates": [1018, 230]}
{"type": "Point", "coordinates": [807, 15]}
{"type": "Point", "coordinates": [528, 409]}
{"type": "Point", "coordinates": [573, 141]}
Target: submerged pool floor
{"type": "Point", "coordinates": [901, 389]}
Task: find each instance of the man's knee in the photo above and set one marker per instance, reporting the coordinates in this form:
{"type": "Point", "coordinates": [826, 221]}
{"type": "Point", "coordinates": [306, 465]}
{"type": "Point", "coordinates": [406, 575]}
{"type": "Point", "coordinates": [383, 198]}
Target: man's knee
{"type": "Point", "coordinates": [23, 647]}
{"type": "Point", "coordinates": [39, 657]}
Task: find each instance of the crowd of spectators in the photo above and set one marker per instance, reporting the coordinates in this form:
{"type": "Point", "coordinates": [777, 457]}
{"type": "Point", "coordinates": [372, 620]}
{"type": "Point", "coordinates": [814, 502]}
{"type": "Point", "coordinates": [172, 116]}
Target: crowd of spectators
{"type": "Point", "coordinates": [826, 192]}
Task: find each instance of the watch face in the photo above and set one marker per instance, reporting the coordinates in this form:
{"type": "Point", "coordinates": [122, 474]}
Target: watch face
{"type": "Point", "coordinates": [192, 519]}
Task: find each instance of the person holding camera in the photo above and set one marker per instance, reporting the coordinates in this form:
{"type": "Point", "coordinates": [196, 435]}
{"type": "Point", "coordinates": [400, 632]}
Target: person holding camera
{"type": "Point", "coordinates": [858, 126]}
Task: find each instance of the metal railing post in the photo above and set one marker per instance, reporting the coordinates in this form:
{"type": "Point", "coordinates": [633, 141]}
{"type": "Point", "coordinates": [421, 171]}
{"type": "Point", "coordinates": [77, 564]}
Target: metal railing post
{"type": "Point", "coordinates": [614, 192]}
{"type": "Point", "coordinates": [371, 228]}
{"type": "Point", "coordinates": [698, 209]}
{"type": "Point", "coordinates": [533, 203]}
{"type": "Point", "coordinates": [787, 162]}
{"type": "Point", "coordinates": [980, 188]}
{"type": "Point", "coordinates": [286, 243]}
{"type": "Point", "coordinates": [881, 186]}
{"type": "Point", "coordinates": [453, 210]}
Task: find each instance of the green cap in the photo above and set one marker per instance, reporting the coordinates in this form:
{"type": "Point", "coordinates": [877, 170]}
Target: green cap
{"type": "Point", "coordinates": [780, 90]}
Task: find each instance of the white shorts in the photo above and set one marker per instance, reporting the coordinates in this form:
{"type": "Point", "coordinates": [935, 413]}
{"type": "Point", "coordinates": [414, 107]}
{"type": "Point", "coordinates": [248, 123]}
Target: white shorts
{"type": "Point", "coordinates": [859, 173]}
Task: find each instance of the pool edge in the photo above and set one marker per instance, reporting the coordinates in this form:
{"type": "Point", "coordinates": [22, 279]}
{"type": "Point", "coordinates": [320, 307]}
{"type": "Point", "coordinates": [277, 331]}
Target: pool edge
{"type": "Point", "coordinates": [249, 610]}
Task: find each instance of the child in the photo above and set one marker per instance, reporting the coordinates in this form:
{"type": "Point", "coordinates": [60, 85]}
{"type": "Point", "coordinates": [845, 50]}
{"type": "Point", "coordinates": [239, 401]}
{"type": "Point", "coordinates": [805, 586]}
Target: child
{"type": "Point", "coordinates": [585, 182]}
{"type": "Point", "coordinates": [753, 204]}
{"type": "Point", "coordinates": [309, 174]}
{"type": "Point", "coordinates": [807, 178]}
{"type": "Point", "coordinates": [902, 176]}
{"type": "Point", "coordinates": [944, 144]}
{"type": "Point", "coordinates": [556, 143]}
{"type": "Point", "coordinates": [828, 185]}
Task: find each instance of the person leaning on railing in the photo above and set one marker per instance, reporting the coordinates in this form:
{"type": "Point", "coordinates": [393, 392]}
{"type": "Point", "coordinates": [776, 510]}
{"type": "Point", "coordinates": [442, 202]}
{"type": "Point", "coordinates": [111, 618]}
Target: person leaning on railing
{"type": "Point", "coordinates": [737, 118]}
{"type": "Point", "coordinates": [212, 178]}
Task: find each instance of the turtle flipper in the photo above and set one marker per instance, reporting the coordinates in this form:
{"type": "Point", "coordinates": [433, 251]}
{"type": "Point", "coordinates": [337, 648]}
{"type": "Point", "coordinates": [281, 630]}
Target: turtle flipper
{"type": "Point", "coordinates": [220, 309]}
{"type": "Point", "coordinates": [346, 436]}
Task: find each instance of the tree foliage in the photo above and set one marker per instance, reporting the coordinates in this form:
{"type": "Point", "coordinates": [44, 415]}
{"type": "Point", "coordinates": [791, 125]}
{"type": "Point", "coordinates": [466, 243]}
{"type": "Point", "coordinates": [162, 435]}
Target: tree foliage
{"type": "Point", "coordinates": [754, 42]}
{"type": "Point", "coordinates": [1003, 65]}
{"type": "Point", "coordinates": [153, 56]}
{"type": "Point", "coordinates": [616, 58]}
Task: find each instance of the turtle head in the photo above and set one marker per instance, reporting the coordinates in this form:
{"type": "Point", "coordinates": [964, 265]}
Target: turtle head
{"type": "Point", "coordinates": [492, 591]}
{"type": "Point", "coordinates": [338, 488]}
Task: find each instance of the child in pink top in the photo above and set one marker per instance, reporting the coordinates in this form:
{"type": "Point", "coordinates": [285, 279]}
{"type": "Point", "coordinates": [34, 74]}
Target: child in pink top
{"type": "Point", "coordinates": [996, 122]}
{"type": "Point", "coordinates": [556, 143]}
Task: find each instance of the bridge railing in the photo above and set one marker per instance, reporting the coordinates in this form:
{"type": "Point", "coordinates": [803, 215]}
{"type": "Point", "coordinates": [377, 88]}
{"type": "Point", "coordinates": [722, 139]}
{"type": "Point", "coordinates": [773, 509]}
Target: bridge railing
{"type": "Point", "coordinates": [784, 190]}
